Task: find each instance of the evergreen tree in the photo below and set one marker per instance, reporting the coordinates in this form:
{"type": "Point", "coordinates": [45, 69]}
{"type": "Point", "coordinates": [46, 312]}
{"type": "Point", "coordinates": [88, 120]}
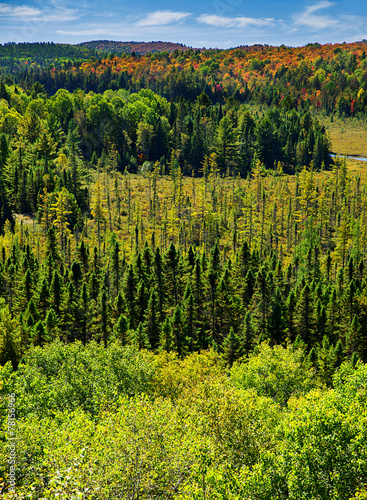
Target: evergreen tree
{"type": "Point", "coordinates": [104, 317]}
{"type": "Point", "coordinates": [166, 341]}
{"type": "Point", "coordinates": [40, 334]}
{"type": "Point", "coordinates": [171, 260]}
{"type": "Point", "coordinates": [232, 348]}
{"type": "Point", "coordinates": [140, 338]}
{"type": "Point", "coordinates": [178, 331]}
{"type": "Point", "coordinates": [121, 328]}
{"type": "Point", "coordinates": [152, 320]}
{"type": "Point", "coordinates": [304, 315]}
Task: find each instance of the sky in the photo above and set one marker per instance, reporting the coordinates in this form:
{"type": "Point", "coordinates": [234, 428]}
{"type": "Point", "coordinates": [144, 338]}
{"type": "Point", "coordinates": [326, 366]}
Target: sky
{"type": "Point", "coordinates": [210, 24]}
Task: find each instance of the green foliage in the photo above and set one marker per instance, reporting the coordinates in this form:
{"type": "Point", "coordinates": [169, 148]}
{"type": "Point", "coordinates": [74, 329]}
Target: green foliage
{"type": "Point", "coordinates": [276, 372]}
{"type": "Point", "coordinates": [73, 376]}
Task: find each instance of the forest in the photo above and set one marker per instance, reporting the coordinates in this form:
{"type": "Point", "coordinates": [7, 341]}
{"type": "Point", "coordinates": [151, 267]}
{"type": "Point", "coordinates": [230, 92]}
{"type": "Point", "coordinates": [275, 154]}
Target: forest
{"type": "Point", "coordinates": [183, 303]}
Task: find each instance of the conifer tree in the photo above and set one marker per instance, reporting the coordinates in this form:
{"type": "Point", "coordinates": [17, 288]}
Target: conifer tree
{"type": "Point", "coordinates": [121, 328]}
{"type": "Point", "coordinates": [140, 338]}
{"type": "Point", "coordinates": [188, 319]}
{"type": "Point", "coordinates": [261, 302]}
{"type": "Point", "coordinates": [152, 317]}
{"type": "Point", "coordinates": [304, 314]}
{"type": "Point", "coordinates": [62, 212]}
{"type": "Point", "coordinates": [56, 292]}
{"type": "Point", "coordinates": [166, 340]}
{"type": "Point", "coordinates": [51, 245]}
{"type": "Point", "coordinates": [40, 334]}
{"type": "Point", "coordinates": [247, 334]}
{"type": "Point", "coordinates": [10, 341]}
{"type": "Point", "coordinates": [326, 360]}
{"type": "Point", "coordinates": [276, 324]}
{"type": "Point", "coordinates": [232, 348]}
{"type": "Point", "coordinates": [84, 311]}
{"type": "Point", "coordinates": [104, 317]}
{"type": "Point", "coordinates": [178, 331]}
{"type": "Point", "coordinates": [171, 260]}
{"type": "Point", "coordinates": [129, 293]}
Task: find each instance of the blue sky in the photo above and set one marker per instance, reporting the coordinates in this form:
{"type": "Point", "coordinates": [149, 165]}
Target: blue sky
{"type": "Point", "coordinates": [215, 23]}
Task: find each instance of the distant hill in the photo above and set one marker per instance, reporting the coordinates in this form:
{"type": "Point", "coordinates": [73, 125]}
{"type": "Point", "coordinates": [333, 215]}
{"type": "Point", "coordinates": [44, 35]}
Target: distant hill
{"type": "Point", "coordinates": [129, 47]}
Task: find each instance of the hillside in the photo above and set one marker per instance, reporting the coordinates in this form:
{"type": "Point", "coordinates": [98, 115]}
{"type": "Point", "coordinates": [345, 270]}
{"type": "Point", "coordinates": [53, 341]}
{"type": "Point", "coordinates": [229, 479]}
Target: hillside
{"type": "Point", "coordinates": [327, 78]}
{"type": "Point", "coordinates": [140, 48]}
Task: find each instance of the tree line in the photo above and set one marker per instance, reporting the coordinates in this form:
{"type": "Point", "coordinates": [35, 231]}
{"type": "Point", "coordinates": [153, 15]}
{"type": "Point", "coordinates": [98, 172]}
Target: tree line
{"type": "Point", "coordinates": [328, 78]}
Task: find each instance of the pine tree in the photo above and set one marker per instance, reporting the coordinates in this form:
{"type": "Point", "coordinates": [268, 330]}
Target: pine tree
{"type": "Point", "coordinates": [61, 213]}
{"type": "Point", "coordinates": [178, 331]}
{"type": "Point", "coordinates": [304, 314]}
{"type": "Point", "coordinates": [10, 341]}
{"type": "Point", "coordinates": [40, 334]}
{"type": "Point", "coordinates": [166, 340]}
{"type": "Point", "coordinates": [276, 323]}
{"type": "Point", "coordinates": [84, 311]}
{"type": "Point", "coordinates": [188, 319]}
{"type": "Point", "coordinates": [326, 361]}
{"type": "Point", "coordinates": [152, 324]}
{"type": "Point", "coordinates": [171, 260]}
{"type": "Point", "coordinates": [261, 300]}
{"type": "Point", "coordinates": [52, 324]}
{"type": "Point", "coordinates": [129, 293]}
{"type": "Point", "coordinates": [121, 328]}
{"type": "Point", "coordinates": [140, 338]}
{"type": "Point", "coordinates": [104, 317]}
{"type": "Point", "coordinates": [51, 245]}
{"type": "Point", "coordinates": [56, 292]}
{"type": "Point", "coordinates": [141, 301]}
{"type": "Point", "coordinates": [232, 348]}
{"type": "Point", "coordinates": [213, 272]}
{"type": "Point", "coordinates": [247, 334]}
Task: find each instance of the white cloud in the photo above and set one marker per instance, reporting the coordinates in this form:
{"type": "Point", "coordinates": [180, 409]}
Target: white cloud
{"type": "Point", "coordinates": [20, 11]}
{"type": "Point", "coordinates": [55, 13]}
{"type": "Point", "coordinates": [314, 21]}
{"type": "Point", "coordinates": [60, 15]}
{"type": "Point", "coordinates": [91, 32]}
{"type": "Point", "coordinates": [234, 22]}
{"type": "Point", "coordinates": [161, 17]}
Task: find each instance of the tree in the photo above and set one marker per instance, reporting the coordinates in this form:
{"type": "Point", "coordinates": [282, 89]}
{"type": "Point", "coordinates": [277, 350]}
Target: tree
{"type": "Point", "coordinates": [121, 328]}
{"type": "Point", "coordinates": [61, 216]}
{"type": "Point", "coordinates": [275, 372]}
{"type": "Point", "coordinates": [225, 142]}
{"type": "Point", "coordinates": [171, 260]}
{"type": "Point", "coordinates": [232, 348]}
{"type": "Point", "coordinates": [304, 314]}
{"type": "Point", "coordinates": [10, 341]}
{"type": "Point", "coordinates": [98, 211]}
{"type": "Point", "coordinates": [152, 323]}
{"type": "Point", "coordinates": [166, 341]}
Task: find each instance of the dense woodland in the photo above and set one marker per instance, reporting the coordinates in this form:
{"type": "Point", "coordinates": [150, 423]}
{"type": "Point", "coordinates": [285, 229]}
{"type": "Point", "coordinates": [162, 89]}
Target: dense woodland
{"type": "Point", "coordinates": [330, 78]}
{"type": "Point", "coordinates": [183, 305]}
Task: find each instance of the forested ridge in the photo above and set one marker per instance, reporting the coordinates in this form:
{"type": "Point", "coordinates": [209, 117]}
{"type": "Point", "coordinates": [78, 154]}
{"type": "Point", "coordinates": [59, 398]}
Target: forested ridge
{"type": "Point", "coordinates": [330, 77]}
{"type": "Point", "coordinates": [183, 307]}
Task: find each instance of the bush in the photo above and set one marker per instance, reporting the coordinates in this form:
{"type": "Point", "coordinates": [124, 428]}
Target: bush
{"type": "Point", "coordinates": [62, 377]}
{"type": "Point", "coordinates": [275, 372]}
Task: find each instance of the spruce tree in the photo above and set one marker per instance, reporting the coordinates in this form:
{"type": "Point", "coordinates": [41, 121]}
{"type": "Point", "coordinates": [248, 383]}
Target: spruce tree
{"type": "Point", "coordinates": [178, 331]}
{"type": "Point", "coordinates": [166, 340]}
{"type": "Point", "coordinates": [140, 338]}
{"type": "Point", "coordinates": [121, 328]}
{"type": "Point", "coordinates": [152, 321]}
{"type": "Point", "coordinates": [232, 348]}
